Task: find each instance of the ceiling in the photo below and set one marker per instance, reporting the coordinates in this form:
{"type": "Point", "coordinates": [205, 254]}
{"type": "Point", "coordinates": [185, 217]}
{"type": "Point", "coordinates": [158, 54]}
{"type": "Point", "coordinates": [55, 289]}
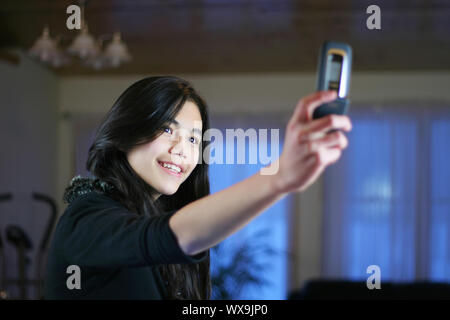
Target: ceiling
{"type": "Point", "coordinates": [243, 36]}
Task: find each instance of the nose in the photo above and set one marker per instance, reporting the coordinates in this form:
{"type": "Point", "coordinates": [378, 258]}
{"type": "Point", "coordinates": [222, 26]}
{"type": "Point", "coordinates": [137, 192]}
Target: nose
{"type": "Point", "coordinates": [179, 146]}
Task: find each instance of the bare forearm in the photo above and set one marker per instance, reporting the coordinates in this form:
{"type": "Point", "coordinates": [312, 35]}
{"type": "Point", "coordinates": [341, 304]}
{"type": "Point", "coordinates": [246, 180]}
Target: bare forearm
{"type": "Point", "coordinates": [206, 222]}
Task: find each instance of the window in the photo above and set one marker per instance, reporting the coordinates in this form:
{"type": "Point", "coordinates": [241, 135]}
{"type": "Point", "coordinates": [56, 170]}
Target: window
{"type": "Point", "coordinates": [440, 199]}
{"type": "Point", "coordinates": [257, 252]}
{"type": "Point", "coordinates": [387, 202]}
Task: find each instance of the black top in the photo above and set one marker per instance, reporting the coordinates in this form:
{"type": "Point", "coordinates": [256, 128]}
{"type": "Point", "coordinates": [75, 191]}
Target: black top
{"type": "Point", "coordinates": [116, 250]}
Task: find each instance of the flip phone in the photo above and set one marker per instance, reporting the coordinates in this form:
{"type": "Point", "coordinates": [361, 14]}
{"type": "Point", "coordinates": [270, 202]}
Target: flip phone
{"type": "Point", "coordinates": [333, 73]}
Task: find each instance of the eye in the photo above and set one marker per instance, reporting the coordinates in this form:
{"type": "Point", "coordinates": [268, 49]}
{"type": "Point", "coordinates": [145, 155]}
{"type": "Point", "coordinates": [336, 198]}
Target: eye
{"type": "Point", "coordinates": [194, 140]}
{"type": "Point", "coordinates": [167, 129]}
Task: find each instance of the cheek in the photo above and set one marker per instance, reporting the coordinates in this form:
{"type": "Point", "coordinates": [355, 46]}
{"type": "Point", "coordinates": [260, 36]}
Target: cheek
{"type": "Point", "coordinates": [154, 149]}
{"type": "Point", "coordinates": [193, 159]}
{"type": "Point", "coordinates": [141, 157]}
{"type": "Point", "coordinates": [196, 156]}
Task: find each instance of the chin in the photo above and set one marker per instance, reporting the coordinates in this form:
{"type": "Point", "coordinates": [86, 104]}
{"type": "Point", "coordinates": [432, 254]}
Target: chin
{"type": "Point", "coordinates": [168, 192]}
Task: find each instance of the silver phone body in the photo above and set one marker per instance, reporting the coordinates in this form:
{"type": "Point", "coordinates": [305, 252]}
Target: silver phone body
{"type": "Point", "coordinates": [334, 73]}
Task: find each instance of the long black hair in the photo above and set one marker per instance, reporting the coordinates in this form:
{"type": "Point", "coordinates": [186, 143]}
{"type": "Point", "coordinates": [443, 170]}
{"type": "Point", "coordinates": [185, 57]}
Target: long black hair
{"type": "Point", "coordinates": [137, 117]}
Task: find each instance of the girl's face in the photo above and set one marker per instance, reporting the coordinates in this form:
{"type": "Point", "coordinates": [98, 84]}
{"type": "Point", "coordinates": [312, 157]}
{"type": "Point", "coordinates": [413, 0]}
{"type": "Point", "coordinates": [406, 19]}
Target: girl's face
{"type": "Point", "coordinates": [167, 161]}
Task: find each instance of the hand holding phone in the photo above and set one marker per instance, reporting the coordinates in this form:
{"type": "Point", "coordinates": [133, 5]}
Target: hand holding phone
{"type": "Point", "coordinates": [333, 73]}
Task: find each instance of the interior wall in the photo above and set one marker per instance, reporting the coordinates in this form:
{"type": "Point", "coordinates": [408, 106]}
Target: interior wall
{"type": "Point", "coordinates": [262, 92]}
{"type": "Point", "coordinates": [29, 155]}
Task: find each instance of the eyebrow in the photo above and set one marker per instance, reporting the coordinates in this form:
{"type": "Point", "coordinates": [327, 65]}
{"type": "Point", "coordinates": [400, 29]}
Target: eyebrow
{"type": "Point", "coordinates": [177, 124]}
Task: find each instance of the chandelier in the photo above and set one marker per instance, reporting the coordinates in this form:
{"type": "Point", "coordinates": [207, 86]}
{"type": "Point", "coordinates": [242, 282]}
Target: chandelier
{"type": "Point", "coordinates": [91, 52]}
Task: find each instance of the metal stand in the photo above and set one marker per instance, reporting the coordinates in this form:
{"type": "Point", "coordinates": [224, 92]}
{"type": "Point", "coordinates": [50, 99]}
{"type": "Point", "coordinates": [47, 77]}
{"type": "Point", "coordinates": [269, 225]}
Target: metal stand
{"type": "Point", "coordinates": [19, 239]}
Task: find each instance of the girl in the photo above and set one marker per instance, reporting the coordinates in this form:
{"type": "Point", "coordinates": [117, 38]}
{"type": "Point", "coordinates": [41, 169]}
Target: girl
{"type": "Point", "coordinates": [141, 228]}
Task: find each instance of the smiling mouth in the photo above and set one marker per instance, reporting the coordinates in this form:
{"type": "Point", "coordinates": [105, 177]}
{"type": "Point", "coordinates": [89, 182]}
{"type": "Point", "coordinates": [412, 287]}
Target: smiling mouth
{"type": "Point", "coordinates": [169, 171]}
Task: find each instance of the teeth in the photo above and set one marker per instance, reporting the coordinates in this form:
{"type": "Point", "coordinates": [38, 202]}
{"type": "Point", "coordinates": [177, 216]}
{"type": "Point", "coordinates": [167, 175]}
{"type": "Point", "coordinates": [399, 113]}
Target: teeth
{"type": "Point", "coordinates": [172, 167]}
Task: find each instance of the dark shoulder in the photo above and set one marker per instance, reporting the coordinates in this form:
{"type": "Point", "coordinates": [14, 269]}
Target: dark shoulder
{"type": "Point", "coordinates": [80, 186]}
{"type": "Point", "coordinates": [94, 198]}
{"type": "Point", "coordinates": [91, 206]}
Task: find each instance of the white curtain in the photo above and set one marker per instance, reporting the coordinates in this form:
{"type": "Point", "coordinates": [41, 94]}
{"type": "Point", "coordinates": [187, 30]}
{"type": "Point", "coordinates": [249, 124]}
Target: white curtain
{"type": "Point", "coordinates": [440, 199]}
{"type": "Point", "coordinates": [387, 201]}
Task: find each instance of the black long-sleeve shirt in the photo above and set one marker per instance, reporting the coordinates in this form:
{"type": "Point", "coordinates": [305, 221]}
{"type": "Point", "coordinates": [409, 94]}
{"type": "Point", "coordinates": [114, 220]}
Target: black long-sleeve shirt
{"type": "Point", "coordinates": [116, 250]}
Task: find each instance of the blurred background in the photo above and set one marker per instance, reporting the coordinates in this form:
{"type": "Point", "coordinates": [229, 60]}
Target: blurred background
{"type": "Point", "coordinates": [385, 203]}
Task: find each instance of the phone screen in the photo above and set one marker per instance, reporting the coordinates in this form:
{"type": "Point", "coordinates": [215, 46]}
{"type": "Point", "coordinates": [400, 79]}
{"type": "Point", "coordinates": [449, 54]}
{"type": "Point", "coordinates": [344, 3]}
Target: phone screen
{"type": "Point", "coordinates": [334, 71]}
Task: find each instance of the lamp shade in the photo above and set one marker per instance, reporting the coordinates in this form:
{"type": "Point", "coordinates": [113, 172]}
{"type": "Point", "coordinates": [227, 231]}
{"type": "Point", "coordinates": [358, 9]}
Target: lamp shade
{"type": "Point", "coordinates": [44, 48]}
{"type": "Point", "coordinates": [84, 45]}
{"type": "Point", "coordinates": [116, 52]}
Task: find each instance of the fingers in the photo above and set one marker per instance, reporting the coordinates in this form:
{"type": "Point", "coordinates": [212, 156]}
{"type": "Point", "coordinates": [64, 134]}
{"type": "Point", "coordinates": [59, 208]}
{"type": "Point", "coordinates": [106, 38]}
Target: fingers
{"type": "Point", "coordinates": [305, 108]}
{"type": "Point", "coordinates": [319, 127]}
{"type": "Point", "coordinates": [327, 157]}
{"type": "Point", "coordinates": [324, 150]}
{"type": "Point", "coordinates": [332, 140]}
{"type": "Point", "coordinates": [323, 157]}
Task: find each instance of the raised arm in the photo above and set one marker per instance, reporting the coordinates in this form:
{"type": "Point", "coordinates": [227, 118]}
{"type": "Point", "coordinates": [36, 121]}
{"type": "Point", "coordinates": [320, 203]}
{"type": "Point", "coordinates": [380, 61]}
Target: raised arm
{"type": "Point", "coordinates": [308, 150]}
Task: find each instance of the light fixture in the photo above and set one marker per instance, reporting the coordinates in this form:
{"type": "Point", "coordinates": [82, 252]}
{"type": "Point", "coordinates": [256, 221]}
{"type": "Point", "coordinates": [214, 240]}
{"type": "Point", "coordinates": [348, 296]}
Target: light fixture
{"type": "Point", "coordinates": [116, 52]}
{"type": "Point", "coordinates": [47, 50]}
{"type": "Point", "coordinates": [84, 46]}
